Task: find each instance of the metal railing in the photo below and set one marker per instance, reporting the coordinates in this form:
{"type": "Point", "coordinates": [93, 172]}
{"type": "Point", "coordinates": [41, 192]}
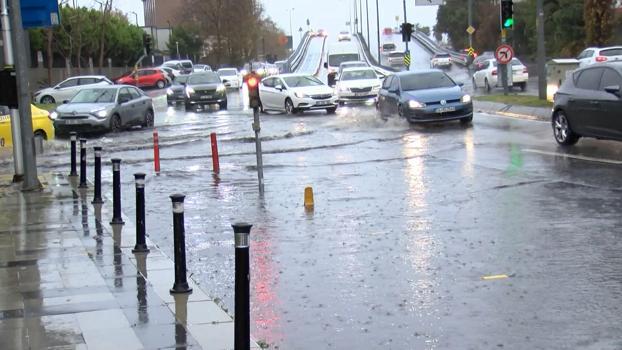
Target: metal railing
{"type": "Point", "coordinates": [295, 59]}
{"type": "Point", "coordinates": [434, 48]}
{"type": "Point", "coordinates": [370, 59]}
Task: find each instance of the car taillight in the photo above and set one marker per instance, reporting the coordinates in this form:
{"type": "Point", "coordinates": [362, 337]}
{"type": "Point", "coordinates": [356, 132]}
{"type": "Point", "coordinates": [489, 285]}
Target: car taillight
{"type": "Point", "coordinates": [525, 70]}
{"type": "Point", "coordinates": [494, 72]}
{"type": "Point", "coordinates": [601, 59]}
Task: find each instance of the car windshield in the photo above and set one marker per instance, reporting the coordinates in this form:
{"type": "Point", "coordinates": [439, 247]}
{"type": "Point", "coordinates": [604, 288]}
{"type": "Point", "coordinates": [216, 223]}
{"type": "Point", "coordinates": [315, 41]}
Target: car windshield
{"type": "Point", "coordinates": [442, 55]}
{"type": "Point", "coordinates": [301, 81]}
{"type": "Point", "coordinates": [227, 72]}
{"type": "Point", "coordinates": [337, 59]}
{"type": "Point", "coordinates": [359, 75]}
{"type": "Point", "coordinates": [423, 81]}
{"type": "Point", "coordinates": [95, 96]}
{"type": "Point", "coordinates": [388, 47]}
{"type": "Point", "coordinates": [182, 79]}
{"type": "Point", "coordinates": [396, 54]}
{"type": "Point", "coordinates": [203, 79]}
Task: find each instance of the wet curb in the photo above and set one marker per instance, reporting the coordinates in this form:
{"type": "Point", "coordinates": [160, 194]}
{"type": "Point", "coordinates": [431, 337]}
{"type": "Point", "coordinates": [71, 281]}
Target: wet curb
{"type": "Point", "coordinates": [513, 111]}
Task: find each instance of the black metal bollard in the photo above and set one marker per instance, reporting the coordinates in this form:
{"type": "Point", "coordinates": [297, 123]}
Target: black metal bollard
{"type": "Point", "coordinates": [116, 192]}
{"type": "Point", "coordinates": [242, 324]}
{"type": "Point", "coordinates": [73, 137]}
{"type": "Point", "coordinates": [179, 241]}
{"type": "Point", "coordinates": [97, 195]}
{"type": "Point", "coordinates": [83, 183]}
{"type": "Point", "coordinates": [141, 245]}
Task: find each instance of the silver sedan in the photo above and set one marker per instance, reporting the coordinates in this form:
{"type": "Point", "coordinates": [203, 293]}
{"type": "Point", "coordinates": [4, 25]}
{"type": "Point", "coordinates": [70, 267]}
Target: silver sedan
{"type": "Point", "coordinates": [110, 108]}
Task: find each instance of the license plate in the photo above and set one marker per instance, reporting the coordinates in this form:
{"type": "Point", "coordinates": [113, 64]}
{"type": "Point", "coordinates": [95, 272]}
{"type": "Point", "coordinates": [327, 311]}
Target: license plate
{"type": "Point", "coordinates": [322, 103]}
{"type": "Point", "coordinates": [72, 122]}
{"type": "Point", "coordinates": [361, 94]}
{"type": "Point", "coordinates": [206, 97]}
{"type": "Point", "coordinates": [445, 109]}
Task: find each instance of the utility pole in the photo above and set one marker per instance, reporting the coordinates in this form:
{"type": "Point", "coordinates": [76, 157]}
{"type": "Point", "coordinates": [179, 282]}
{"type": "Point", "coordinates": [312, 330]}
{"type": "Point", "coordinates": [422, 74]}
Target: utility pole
{"type": "Point", "coordinates": [361, 16]}
{"type": "Point", "coordinates": [31, 180]}
{"type": "Point", "coordinates": [18, 157]}
{"type": "Point", "coordinates": [378, 29]}
{"type": "Point", "coordinates": [541, 54]}
{"type": "Point", "coordinates": [367, 15]}
{"type": "Point", "coordinates": [470, 22]}
{"type": "Point", "coordinates": [405, 21]}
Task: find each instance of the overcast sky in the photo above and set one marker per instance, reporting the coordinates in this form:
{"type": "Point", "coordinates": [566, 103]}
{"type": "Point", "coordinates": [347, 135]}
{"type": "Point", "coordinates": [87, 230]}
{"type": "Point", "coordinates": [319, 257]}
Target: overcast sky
{"type": "Point", "coordinates": [330, 15]}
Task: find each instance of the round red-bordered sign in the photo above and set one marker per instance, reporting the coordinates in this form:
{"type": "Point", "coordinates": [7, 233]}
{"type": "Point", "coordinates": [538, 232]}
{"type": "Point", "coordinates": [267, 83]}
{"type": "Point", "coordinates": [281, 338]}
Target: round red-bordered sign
{"type": "Point", "coordinates": [504, 54]}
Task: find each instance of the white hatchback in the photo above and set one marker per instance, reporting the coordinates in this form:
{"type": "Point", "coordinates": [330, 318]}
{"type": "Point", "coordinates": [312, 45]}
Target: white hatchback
{"type": "Point", "coordinates": [68, 88]}
{"type": "Point", "coordinates": [358, 85]}
{"type": "Point", "coordinates": [593, 55]}
{"type": "Point", "coordinates": [293, 93]}
{"type": "Point", "coordinates": [487, 75]}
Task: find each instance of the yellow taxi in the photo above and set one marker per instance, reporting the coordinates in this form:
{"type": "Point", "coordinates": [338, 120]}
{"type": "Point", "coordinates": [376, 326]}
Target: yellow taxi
{"type": "Point", "coordinates": [41, 125]}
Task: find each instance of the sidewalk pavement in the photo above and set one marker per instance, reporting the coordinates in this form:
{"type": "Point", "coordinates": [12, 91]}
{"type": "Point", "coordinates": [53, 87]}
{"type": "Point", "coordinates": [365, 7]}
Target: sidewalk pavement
{"type": "Point", "coordinates": [516, 111]}
{"type": "Point", "coordinates": [68, 280]}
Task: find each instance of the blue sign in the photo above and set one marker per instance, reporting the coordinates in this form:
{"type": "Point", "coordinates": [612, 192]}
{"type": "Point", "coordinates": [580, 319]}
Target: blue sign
{"type": "Point", "coordinates": [40, 13]}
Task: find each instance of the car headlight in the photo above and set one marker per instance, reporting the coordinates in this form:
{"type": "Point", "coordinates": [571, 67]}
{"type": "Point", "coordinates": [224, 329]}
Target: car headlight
{"type": "Point", "coordinates": [344, 89]}
{"type": "Point", "coordinates": [300, 95]}
{"type": "Point", "coordinates": [169, 91]}
{"type": "Point", "coordinates": [221, 88]}
{"type": "Point", "coordinates": [102, 113]}
{"type": "Point", "coordinates": [466, 99]}
{"type": "Point", "coordinates": [261, 71]}
{"type": "Point", "coordinates": [189, 91]}
{"type": "Point", "coordinates": [415, 104]}
{"type": "Point", "coordinates": [53, 115]}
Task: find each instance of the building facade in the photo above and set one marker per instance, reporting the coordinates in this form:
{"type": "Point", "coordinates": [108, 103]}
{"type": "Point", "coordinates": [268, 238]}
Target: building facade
{"type": "Point", "coordinates": [163, 13]}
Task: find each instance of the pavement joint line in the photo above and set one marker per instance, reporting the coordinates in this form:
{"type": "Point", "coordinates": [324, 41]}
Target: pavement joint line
{"type": "Point", "coordinates": [573, 156]}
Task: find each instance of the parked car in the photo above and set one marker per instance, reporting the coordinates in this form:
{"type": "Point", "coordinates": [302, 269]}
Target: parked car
{"type": "Point", "coordinates": [440, 60]}
{"type": "Point", "coordinates": [230, 77]}
{"type": "Point", "coordinates": [201, 68]}
{"type": "Point", "coordinates": [481, 59]}
{"type": "Point", "coordinates": [203, 89]}
{"type": "Point", "coordinates": [357, 84]}
{"type": "Point", "coordinates": [396, 59]}
{"type": "Point", "coordinates": [593, 55]}
{"type": "Point", "coordinates": [146, 77]}
{"type": "Point", "coordinates": [589, 105]}
{"type": "Point", "coordinates": [293, 93]}
{"type": "Point", "coordinates": [349, 64]}
{"type": "Point", "coordinates": [110, 108]}
{"type": "Point", "coordinates": [387, 48]}
{"type": "Point", "coordinates": [424, 96]}
{"type": "Point", "coordinates": [42, 125]}
{"type": "Point", "coordinates": [488, 76]}
{"type": "Point", "coordinates": [176, 93]}
{"type": "Point", "coordinates": [344, 36]}
{"type": "Point", "coordinates": [68, 88]}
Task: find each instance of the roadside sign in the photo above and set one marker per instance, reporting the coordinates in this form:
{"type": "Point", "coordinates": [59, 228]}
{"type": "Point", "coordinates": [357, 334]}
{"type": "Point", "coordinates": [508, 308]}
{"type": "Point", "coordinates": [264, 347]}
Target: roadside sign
{"type": "Point", "coordinates": [504, 54]}
{"type": "Point", "coordinates": [407, 58]}
{"type": "Point", "coordinates": [40, 13]}
{"type": "Point", "coordinates": [470, 30]}
{"type": "Point", "coordinates": [428, 2]}
{"type": "Point", "coordinates": [471, 51]}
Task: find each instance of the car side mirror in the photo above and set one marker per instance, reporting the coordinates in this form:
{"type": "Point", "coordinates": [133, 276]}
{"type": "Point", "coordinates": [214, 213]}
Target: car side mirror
{"type": "Point", "coordinates": [461, 84]}
{"type": "Point", "coordinates": [326, 65]}
{"type": "Point", "coordinates": [279, 87]}
{"type": "Point", "coordinates": [56, 87]}
{"type": "Point", "coordinates": [614, 89]}
{"type": "Point", "coordinates": [123, 100]}
{"type": "Point", "coordinates": [336, 78]}
{"type": "Point", "coordinates": [65, 102]}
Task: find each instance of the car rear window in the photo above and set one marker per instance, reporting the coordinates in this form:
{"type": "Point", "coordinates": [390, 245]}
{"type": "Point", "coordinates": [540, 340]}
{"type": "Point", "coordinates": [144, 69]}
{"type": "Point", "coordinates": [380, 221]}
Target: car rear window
{"type": "Point", "coordinates": [388, 47]}
{"type": "Point", "coordinates": [396, 54]}
{"type": "Point", "coordinates": [611, 52]}
{"type": "Point", "coordinates": [442, 55]}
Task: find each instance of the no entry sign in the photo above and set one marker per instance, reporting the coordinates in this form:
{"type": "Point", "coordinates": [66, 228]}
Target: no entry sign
{"type": "Point", "coordinates": [504, 54]}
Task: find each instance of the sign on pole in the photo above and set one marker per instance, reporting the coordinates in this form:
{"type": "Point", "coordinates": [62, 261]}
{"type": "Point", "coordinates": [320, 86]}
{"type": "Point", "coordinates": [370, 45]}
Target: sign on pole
{"type": "Point", "coordinates": [470, 30]}
{"type": "Point", "coordinates": [504, 54]}
{"type": "Point", "coordinates": [39, 13]}
{"type": "Point", "coordinates": [428, 2]}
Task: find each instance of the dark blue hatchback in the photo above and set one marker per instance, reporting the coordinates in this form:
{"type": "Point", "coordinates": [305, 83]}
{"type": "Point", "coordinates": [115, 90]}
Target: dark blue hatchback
{"type": "Point", "coordinates": [424, 96]}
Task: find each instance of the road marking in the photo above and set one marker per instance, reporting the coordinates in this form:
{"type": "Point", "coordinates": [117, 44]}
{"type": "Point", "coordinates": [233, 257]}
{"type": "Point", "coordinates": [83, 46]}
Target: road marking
{"type": "Point", "coordinates": [495, 277]}
{"type": "Point", "coordinates": [573, 156]}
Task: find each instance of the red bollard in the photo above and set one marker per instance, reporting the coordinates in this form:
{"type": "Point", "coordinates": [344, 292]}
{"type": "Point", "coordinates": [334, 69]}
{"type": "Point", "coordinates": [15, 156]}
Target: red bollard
{"type": "Point", "coordinates": [156, 152]}
{"type": "Point", "coordinates": [215, 161]}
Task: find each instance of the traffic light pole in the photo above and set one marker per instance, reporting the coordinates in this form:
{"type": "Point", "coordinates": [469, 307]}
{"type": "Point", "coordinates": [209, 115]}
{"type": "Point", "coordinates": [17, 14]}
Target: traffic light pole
{"type": "Point", "coordinates": [405, 21]}
{"type": "Point", "coordinates": [30, 180]}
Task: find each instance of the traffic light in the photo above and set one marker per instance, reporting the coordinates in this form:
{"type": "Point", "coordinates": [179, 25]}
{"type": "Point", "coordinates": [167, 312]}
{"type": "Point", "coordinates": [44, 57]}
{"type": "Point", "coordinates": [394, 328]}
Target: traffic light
{"type": "Point", "coordinates": [407, 31]}
{"type": "Point", "coordinates": [147, 43]}
{"type": "Point", "coordinates": [507, 16]}
{"type": "Point", "coordinates": [252, 81]}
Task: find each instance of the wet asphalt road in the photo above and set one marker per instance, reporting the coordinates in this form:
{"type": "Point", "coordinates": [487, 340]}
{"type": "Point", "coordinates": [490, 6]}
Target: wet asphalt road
{"type": "Point", "coordinates": [407, 222]}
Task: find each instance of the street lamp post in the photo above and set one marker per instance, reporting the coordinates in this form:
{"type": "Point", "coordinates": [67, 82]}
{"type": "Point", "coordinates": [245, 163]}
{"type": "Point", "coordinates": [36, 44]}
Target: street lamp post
{"type": "Point", "coordinates": [135, 15]}
{"type": "Point", "coordinates": [291, 31]}
{"type": "Point", "coordinates": [177, 44]}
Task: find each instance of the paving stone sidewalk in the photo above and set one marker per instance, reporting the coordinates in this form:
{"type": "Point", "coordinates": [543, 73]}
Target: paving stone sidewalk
{"type": "Point", "coordinates": [516, 111]}
{"type": "Point", "coordinates": [68, 280]}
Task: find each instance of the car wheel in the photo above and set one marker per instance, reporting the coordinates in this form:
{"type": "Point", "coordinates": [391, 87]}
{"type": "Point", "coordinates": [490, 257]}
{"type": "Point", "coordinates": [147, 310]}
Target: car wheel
{"type": "Point", "coordinates": [474, 84]}
{"type": "Point", "coordinates": [41, 134]}
{"type": "Point", "coordinates": [562, 131]}
{"type": "Point", "coordinates": [331, 110]}
{"type": "Point", "coordinates": [160, 84]}
{"type": "Point", "coordinates": [289, 107]}
{"type": "Point", "coordinates": [115, 123]}
{"type": "Point", "coordinates": [223, 105]}
{"type": "Point", "coordinates": [466, 120]}
{"type": "Point", "coordinates": [400, 110]}
{"type": "Point", "coordinates": [487, 85]}
{"type": "Point", "coordinates": [148, 123]}
{"type": "Point", "coordinates": [47, 100]}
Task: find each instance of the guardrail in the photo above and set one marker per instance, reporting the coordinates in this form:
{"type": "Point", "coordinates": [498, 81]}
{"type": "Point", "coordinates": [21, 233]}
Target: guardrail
{"type": "Point", "coordinates": [294, 60]}
{"type": "Point", "coordinates": [369, 58]}
{"type": "Point", "coordinates": [434, 48]}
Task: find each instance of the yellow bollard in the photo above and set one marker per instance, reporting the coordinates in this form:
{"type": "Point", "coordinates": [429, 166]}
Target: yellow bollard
{"type": "Point", "coordinates": [308, 197]}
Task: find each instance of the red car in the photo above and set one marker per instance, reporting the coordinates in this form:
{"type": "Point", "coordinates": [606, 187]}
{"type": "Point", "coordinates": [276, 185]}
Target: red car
{"type": "Point", "coordinates": [147, 77]}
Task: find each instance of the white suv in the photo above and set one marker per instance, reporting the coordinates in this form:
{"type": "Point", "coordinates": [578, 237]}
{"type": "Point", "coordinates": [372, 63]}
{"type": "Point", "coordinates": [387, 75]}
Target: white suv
{"type": "Point", "coordinates": [593, 55]}
{"type": "Point", "coordinates": [488, 75]}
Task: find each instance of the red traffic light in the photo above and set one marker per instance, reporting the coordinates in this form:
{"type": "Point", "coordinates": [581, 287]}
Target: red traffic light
{"type": "Point", "coordinates": [252, 82]}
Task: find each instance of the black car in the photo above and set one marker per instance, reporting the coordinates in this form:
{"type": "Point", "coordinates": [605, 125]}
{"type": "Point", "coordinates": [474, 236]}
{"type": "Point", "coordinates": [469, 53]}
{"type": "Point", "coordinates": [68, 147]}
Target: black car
{"type": "Point", "coordinates": [177, 92]}
{"type": "Point", "coordinates": [204, 89]}
{"type": "Point", "coordinates": [424, 96]}
{"type": "Point", "coordinates": [588, 104]}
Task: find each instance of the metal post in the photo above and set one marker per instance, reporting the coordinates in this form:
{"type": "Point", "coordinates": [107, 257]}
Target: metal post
{"type": "Point", "coordinates": [361, 17]}
{"type": "Point", "coordinates": [73, 139]}
{"type": "Point", "coordinates": [367, 16]}
{"type": "Point", "coordinates": [405, 21]}
{"type": "Point", "coordinates": [378, 29]}
{"type": "Point", "coordinates": [116, 192]}
{"type": "Point", "coordinates": [215, 158]}
{"type": "Point", "coordinates": [470, 21]}
{"type": "Point", "coordinates": [241, 338]}
{"type": "Point", "coordinates": [141, 245]}
{"type": "Point", "coordinates": [257, 128]}
{"type": "Point", "coordinates": [179, 242]}
{"type": "Point", "coordinates": [31, 180]}
{"type": "Point", "coordinates": [97, 194]}
{"type": "Point", "coordinates": [83, 164]}
{"type": "Point", "coordinates": [541, 51]}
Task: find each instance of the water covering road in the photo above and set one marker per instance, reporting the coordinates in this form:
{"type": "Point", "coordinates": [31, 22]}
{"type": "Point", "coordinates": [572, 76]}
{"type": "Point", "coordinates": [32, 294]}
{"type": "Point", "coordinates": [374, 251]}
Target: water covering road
{"type": "Point", "coordinates": [407, 221]}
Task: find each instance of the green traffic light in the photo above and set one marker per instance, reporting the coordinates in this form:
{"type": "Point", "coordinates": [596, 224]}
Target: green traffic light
{"type": "Point", "coordinates": [508, 23]}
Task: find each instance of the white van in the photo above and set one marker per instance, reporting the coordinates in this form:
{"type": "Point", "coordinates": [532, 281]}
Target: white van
{"type": "Point", "coordinates": [338, 53]}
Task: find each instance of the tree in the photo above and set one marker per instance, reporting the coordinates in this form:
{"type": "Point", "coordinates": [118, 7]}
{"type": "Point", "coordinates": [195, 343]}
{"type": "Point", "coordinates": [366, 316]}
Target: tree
{"type": "Point", "coordinates": [598, 15]}
{"type": "Point", "coordinates": [189, 40]}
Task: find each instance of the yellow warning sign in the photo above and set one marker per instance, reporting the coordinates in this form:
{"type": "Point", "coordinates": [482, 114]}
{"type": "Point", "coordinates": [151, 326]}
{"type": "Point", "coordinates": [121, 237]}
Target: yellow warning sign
{"type": "Point", "coordinates": [407, 58]}
{"type": "Point", "coordinates": [470, 30]}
